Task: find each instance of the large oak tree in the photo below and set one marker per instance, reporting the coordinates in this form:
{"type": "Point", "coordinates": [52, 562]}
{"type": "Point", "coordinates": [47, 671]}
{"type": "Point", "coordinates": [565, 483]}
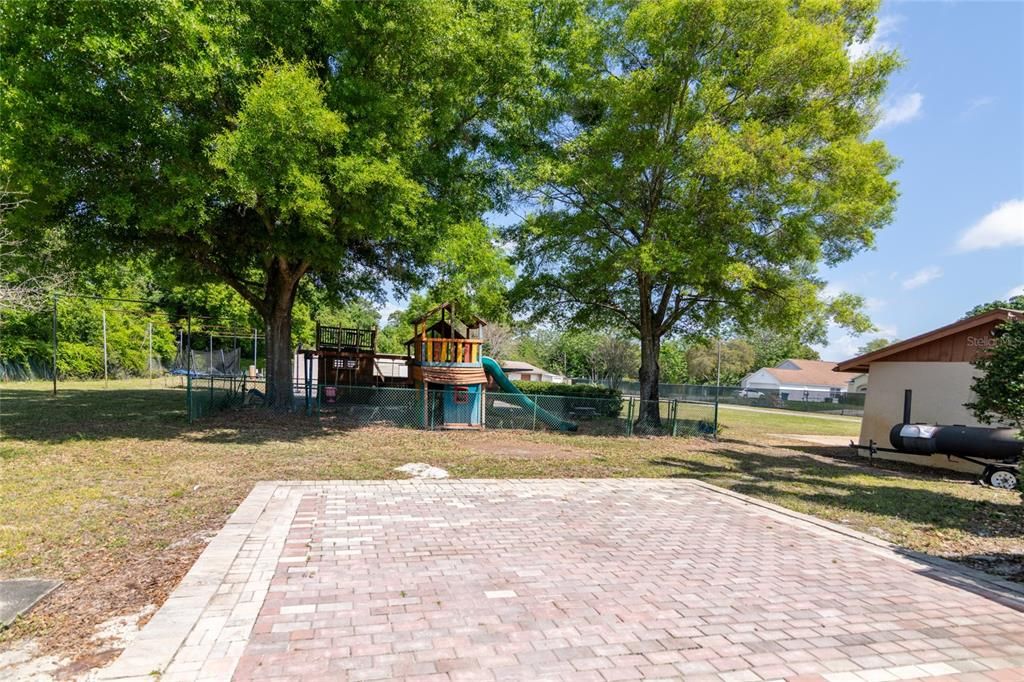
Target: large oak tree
{"type": "Point", "coordinates": [261, 143]}
{"type": "Point", "coordinates": [700, 160]}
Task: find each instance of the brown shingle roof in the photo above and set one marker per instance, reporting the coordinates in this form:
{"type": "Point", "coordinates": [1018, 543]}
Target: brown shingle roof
{"type": "Point", "coordinates": [812, 372]}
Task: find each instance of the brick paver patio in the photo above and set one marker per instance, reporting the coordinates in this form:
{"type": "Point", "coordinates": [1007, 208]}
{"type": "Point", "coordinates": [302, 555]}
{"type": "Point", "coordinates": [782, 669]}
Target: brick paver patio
{"type": "Point", "coordinates": [564, 579]}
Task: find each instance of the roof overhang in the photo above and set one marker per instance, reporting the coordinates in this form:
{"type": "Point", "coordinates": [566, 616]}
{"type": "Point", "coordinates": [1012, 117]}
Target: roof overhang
{"type": "Point", "coordinates": [862, 363]}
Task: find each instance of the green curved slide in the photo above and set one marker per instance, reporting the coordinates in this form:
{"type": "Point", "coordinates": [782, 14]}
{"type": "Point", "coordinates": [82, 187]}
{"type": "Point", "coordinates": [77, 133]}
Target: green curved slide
{"type": "Point", "coordinates": [515, 395]}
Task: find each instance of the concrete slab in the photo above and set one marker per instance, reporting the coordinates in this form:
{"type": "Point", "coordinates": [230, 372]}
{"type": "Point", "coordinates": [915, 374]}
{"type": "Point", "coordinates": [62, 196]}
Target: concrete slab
{"type": "Point", "coordinates": [18, 596]}
{"type": "Point", "coordinates": [565, 579]}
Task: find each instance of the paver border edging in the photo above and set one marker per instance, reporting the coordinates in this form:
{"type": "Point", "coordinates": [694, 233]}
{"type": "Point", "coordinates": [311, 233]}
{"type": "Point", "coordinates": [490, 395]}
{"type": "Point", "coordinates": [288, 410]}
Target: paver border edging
{"type": "Point", "coordinates": [156, 646]}
{"type": "Point", "coordinates": [1005, 591]}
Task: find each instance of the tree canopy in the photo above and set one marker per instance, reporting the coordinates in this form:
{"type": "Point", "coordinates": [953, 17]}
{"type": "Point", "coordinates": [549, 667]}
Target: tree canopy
{"type": "Point", "coordinates": [700, 161]}
{"type": "Point", "coordinates": [1012, 302]}
{"type": "Point", "coordinates": [738, 357]}
{"type": "Point", "coordinates": [255, 143]}
{"type": "Point", "coordinates": [875, 344]}
{"type": "Point", "coordinates": [999, 390]}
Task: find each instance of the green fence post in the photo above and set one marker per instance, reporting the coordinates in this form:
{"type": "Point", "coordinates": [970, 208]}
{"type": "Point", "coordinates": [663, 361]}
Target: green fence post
{"type": "Point", "coordinates": [534, 398]}
{"type": "Point", "coordinates": [675, 411]}
{"type": "Point", "coordinates": [715, 435]}
{"type": "Point", "coordinates": [629, 420]}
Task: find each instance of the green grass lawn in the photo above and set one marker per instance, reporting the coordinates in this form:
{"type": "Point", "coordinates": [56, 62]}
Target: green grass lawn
{"type": "Point", "coordinates": [112, 491]}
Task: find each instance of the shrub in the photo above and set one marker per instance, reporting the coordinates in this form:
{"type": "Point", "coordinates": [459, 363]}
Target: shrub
{"type": "Point", "coordinates": [607, 401]}
{"type": "Point", "coordinates": [999, 391]}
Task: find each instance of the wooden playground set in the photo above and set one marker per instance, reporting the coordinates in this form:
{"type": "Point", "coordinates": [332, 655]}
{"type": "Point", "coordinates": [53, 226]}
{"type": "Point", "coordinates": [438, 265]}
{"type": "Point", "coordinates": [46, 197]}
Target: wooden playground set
{"type": "Point", "coordinates": [443, 359]}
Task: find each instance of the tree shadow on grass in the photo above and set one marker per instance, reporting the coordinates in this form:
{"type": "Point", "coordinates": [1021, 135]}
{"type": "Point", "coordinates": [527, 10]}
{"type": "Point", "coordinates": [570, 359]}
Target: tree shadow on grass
{"type": "Point", "coordinates": [827, 485]}
{"type": "Point", "coordinates": [145, 413]}
{"type": "Point", "coordinates": [883, 466]}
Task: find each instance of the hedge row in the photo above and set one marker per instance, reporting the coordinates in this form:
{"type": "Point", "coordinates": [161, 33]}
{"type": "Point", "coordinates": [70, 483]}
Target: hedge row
{"type": "Point", "coordinates": [569, 390]}
{"type": "Point", "coordinates": [606, 401]}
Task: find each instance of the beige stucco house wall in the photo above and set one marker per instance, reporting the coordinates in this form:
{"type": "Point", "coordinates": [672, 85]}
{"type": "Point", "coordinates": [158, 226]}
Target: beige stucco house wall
{"type": "Point", "coordinates": [938, 367]}
{"type": "Point", "coordinates": [940, 390]}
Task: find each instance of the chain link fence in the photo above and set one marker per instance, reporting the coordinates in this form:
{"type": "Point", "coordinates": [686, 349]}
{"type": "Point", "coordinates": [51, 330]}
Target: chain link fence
{"type": "Point", "coordinates": [353, 406]}
{"type": "Point", "coordinates": [820, 401]}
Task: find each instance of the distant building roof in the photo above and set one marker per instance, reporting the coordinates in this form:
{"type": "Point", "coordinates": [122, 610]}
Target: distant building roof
{"type": "Point", "coordinates": [811, 373]}
{"type": "Point", "coordinates": [952, 343]}
{"type": "Point", "coordinates": [519, 366]}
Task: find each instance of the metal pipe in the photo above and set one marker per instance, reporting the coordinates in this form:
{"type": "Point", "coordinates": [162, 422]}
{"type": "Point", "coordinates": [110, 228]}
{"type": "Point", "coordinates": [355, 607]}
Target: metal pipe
{"type": "Point", "coordinates": [907, 397]}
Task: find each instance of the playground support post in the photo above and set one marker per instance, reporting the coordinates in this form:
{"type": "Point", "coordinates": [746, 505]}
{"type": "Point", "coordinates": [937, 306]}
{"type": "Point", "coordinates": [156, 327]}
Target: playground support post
{"type": "Point", "coordinates": [55, 343]}
{"type": "Point", "coordinates": [105, 383]}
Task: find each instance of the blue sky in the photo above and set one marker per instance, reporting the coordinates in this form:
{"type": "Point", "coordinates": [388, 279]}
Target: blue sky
{"type": "Point", "coordinates": [955, 117]}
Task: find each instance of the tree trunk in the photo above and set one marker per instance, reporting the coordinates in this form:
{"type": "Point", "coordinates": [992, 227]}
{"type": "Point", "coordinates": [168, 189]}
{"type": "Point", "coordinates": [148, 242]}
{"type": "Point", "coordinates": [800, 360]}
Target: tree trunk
{"type": "Point", "coordinates": [282, 285]}
{"type": "Point", "coordinates": [279, 358]}
{"type": "Point", "coordinates": [650, 375]}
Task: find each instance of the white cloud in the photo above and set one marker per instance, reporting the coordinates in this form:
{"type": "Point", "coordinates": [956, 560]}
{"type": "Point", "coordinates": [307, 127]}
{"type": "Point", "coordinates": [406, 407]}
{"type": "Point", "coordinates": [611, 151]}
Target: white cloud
{"type": "Point", "coordinates": [922, 277]}
{"type": "Point", "coordinates": [901, 110]}
{"type": "Point", "coordinates": [886, 26]}
{"type": "Point", "coordinates": [872, 303]}
{"type": "Point", "coordinates": [1016, 291]}
{"type": "Point", "coordinates": [1002, 227]}
{"type": "Point", "coordinates": [978, 103]}
{"type": "Point", "coordinates": [842, 345]}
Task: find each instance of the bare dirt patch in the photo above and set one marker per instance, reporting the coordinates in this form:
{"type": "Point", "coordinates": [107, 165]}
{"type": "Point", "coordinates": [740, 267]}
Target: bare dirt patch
{"type": "Point", "coordinates": [525, 449]}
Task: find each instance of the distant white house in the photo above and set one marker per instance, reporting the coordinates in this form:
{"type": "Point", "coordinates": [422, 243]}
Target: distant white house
{"type": "Point", "coordinates": [524, 371]}
{"type": "Point", "coordinates": [858, 384]}
{"type": "Point", "coordinates": [811, 380]}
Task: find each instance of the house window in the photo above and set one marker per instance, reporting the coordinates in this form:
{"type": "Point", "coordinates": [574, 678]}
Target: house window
{"type": "Point", "coordinates": [344, 363]}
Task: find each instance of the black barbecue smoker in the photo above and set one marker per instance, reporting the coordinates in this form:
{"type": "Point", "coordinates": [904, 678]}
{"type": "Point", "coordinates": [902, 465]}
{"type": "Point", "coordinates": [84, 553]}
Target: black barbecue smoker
{"type": "Point", "coordinates": [997, 450]}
